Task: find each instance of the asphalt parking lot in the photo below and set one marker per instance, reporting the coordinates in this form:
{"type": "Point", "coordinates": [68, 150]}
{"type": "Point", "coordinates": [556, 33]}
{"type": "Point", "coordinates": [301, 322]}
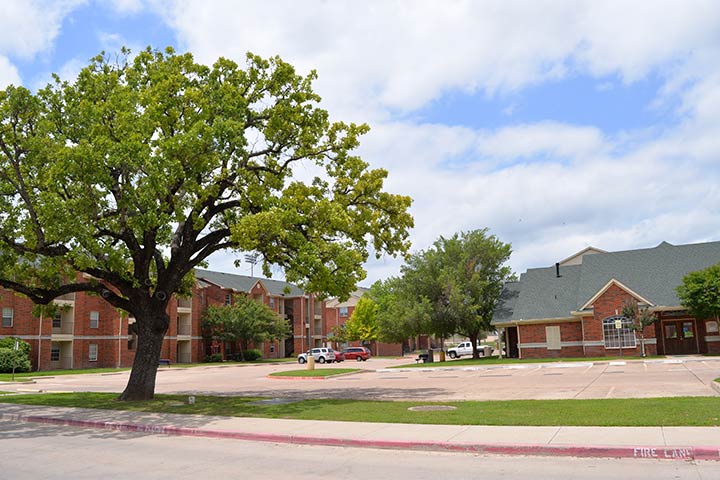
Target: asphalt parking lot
{"type": "Point", "coordinates": [654, 378]}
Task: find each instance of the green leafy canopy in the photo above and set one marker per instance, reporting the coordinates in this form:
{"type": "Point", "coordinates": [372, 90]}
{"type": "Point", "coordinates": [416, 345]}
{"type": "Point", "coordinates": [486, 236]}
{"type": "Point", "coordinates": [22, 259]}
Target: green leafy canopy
{"type": "Point", "coordinates": [141, 168]}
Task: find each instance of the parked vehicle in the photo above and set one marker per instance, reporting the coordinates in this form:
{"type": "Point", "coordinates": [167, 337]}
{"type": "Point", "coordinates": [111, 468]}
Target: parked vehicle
{"type": "Point", "coordinates": [321, 355]}
{"type": "Point", "coordinates": [357, 353]}
{"type": "Point", "coordinates": [465, 348]}
{"type": "Point", "coordinates": [339, 356]}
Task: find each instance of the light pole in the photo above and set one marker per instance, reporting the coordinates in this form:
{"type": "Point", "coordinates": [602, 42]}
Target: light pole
{"type": "Point", "coordinates": [252, 259]}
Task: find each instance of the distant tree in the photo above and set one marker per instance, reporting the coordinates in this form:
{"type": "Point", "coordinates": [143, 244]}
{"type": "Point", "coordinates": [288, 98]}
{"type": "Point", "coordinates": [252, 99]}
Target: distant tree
{"type": "Point", "coordinates": [460, 280]}
{"type": "Point", "coordinates": [363, 323]}
{"type": "Point", "coordinates": [245, 321]}
{"type": "Point", "coordinates": [141, 168]}
{"type": "Point", "coordinates": [640, 317]}
{"type": "Point", "coordinates": [400, 315]}
{"type": "Point", "coordinates": [699, 292]}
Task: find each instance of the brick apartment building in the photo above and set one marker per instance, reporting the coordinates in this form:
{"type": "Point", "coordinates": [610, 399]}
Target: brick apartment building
{"type": "Point", "coordinates": [87, 332]}
{"type": "Point", "coordinates": [574, 308]}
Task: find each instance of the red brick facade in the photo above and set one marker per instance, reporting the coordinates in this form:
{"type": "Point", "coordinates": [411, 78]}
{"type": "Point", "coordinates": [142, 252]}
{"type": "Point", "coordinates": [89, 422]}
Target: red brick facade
{"type": "Point", "coordinates": [584, 335]}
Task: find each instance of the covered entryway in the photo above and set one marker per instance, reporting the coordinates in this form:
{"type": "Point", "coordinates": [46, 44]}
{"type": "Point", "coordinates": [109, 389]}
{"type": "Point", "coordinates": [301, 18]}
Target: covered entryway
{"type": "Point", "coordinates": [680, 337]}
{"type": "Point", "coordinates": [511, 342]}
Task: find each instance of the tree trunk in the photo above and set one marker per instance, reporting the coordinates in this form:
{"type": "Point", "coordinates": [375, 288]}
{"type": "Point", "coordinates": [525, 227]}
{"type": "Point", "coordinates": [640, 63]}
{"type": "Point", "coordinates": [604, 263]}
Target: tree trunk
{"type": "Point", "coordinates": [151, 332]}
{"type": "Point", "coordinates": [473, 340]}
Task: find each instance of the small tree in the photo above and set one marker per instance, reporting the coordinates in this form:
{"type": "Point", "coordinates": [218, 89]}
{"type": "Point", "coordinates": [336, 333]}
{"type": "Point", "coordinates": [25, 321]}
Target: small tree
{"type": "Point", "coordinates": [244, 321]}
{"type": "Point", "coordinates": [363, 323]}
{"type": "Point", "coordinates": [641, 317]}
{"type": "Point", "coordinates": [700, 292]}
{"type": "Point", "coordinates": [11, 359]}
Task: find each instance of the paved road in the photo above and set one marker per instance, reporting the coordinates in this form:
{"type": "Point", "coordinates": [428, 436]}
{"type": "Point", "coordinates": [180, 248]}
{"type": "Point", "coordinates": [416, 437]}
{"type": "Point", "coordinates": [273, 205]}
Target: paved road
{"type": "Point", "coordinates": [32, 451]}
{"type": "Point", "coordinates": [525, 381]}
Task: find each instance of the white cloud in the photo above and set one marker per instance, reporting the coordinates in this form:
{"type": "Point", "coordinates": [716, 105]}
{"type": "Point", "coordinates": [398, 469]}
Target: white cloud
{"type": "Point", "coordinates": [127, 7]}
{"type": "Point", "coordinates": [549, 188]}
{"type": "Point", "coordinates": [400, 55]}
{"type": "Point", "coordinates": [29, 27]}
{"type": "Point", "coordinates": [8, 73]}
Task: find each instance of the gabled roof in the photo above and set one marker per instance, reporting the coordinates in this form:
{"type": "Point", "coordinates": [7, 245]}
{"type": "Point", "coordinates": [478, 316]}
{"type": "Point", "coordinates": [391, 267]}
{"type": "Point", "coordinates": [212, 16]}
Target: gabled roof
{"type": "Point", "coordinates": [651, 274]}
{"type": "Point", "coordinates": [577, 258]}
{"type": "Point", "coordinates": [620, 285]}
{"type": "Point", "coordinates": [350, 302]}
{"type": "Point", "coordinates": [243, 283]}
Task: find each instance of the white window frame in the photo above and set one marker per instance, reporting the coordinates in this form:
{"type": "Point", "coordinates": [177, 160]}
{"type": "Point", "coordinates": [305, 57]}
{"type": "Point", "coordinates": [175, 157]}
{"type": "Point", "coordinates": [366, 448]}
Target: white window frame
{"type": "Point", "coordinates": [94, 319]}
{"type": "Point", "coordinates": [93, 352]}
{"type": "Point", "coordinates": [616, 338]}
{"type": "Point", "coordinates": [8, 313]}
{"type": "Point", "coordinates": [228, 299]}
{"type": "Point", "coordinates": [343, 311]}
{"type": "Point", "coordinates": [53, 349]}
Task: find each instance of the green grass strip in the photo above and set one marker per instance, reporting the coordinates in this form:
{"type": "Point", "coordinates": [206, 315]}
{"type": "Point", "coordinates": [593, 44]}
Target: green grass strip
{"type": "Point", "coordinates": [19, 377]}
{"type": "Point", "coordinates": [318, 372]}
{"type": "Point", "coordinates": [645, 412]}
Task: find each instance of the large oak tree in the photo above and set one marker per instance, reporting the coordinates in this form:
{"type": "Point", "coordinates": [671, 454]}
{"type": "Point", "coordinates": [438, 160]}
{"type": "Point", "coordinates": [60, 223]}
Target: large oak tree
{"type": "Point", "coordinates": [137, 171]}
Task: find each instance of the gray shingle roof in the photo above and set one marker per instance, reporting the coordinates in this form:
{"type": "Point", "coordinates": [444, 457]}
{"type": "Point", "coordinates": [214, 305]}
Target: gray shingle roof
{"type": "Point", "coordinates": [652, 273]}
{"type": "Point", "coordinates": [243, 283]}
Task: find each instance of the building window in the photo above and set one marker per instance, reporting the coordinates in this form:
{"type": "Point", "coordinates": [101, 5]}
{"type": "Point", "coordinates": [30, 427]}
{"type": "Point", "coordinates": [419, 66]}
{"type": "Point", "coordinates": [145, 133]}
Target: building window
{"type": "Point", "coordinates": [552, 336]}
{"type": "Point", "coordinates": [618, 337]}
{"type": "Point", "coordinates": [57, 320]}
{"type": "Point", "coordinates": [7, 319]}
{"type": "Point", "coordinates": [343, 311]}
{"type": "Point", "coordinates": [55, 352]}
{"type": "Point", "coordinates": [711, 326]}
{"type": "Point", "coordinates": [93, 352]}
{"type": "Point", "coordinates": [94, 319]}
{"type": "Point", "coordinates": [228, 299]}
{"type": "Point", "coordinates": [272, 303]}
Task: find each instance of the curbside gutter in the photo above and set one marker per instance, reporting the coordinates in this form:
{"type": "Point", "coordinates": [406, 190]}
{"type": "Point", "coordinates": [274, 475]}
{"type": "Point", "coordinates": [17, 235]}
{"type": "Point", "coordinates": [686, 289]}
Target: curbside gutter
{"type": "Point", "coordinates": [587, 451]}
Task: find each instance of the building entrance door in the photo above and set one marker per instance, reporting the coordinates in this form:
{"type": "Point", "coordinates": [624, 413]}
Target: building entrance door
{"type": "Point", "coordinates": [680, 337]}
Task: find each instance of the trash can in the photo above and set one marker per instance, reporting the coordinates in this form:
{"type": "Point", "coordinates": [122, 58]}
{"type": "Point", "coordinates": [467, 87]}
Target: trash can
{"type": "Point", "coordinates": [486, 351]}
{"type": "Point", "coordinates": [430, 356]}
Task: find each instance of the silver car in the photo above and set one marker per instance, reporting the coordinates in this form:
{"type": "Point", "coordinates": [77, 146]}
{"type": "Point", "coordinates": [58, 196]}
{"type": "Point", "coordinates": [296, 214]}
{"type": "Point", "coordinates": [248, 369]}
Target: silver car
{"type": "Point", "coordinates": [320, 354]}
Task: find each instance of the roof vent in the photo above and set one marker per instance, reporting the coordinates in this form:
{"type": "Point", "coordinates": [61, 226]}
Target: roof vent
{"type": "Point", "coordinates": [557, 270]}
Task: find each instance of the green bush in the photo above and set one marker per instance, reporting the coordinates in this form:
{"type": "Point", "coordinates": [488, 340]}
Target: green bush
{"type": "Point", "coordinates": [214, 358]}
{"type": "Point", "coordinates": [9, 342]}
{"type": "Point", "coordinates": [252, 354]}
{"type": "Point", "coordinates": [9, 355]}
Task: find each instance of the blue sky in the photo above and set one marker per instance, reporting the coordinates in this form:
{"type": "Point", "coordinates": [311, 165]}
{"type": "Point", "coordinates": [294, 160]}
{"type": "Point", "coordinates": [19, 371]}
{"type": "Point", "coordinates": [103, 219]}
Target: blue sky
{"type": "Point", "coordinates": [558, 125]}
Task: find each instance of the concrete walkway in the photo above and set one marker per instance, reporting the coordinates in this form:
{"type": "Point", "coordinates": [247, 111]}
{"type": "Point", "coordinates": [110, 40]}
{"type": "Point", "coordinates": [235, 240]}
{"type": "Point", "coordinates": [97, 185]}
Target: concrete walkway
{"type": "Point", "coordinates": [671, 443]}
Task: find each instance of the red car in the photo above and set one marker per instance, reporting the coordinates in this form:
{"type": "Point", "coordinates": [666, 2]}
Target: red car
{"type": "Point", "coordinates": [339, 356]}
{"type": "Point", "coordinates": [358, 353]}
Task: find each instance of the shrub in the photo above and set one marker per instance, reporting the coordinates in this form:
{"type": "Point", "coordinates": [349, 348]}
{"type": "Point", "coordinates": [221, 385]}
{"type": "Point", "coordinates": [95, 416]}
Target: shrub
{"type": "Point", "coordinates": [252, 354]}
{"type": "Point", "coordinates": [214, 358]}
{"type": "Point", "coordinates": [9, 355]}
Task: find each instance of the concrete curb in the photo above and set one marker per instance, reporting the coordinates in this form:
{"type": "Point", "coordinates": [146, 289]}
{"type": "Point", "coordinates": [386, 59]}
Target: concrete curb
{"type": "Point", "coordinates": [588, 451]}
{"type": "Point", "coordinates": [716, 386]}
{"type": "Point", "coordinates": [328, 377]}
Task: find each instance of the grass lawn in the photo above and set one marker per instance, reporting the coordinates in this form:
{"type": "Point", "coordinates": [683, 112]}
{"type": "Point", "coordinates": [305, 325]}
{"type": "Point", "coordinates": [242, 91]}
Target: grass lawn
{"type": "Point", "coordinates": [318, 372]}
{"type": "Point", "coordinates": [503, 361]}
{"type": "Point", "coordinates": [19, 377]}
{"type": "Point", "coordinates": [679, 411]}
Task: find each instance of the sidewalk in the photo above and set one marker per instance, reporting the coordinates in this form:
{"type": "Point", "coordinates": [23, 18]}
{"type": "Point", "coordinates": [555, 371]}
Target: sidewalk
{"type": "Point", "coordinates": [672, 443]}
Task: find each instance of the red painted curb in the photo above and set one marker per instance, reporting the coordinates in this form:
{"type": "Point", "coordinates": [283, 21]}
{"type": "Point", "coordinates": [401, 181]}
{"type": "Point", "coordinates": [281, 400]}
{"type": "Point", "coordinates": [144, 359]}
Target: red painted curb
{"type": "Point", "coordinates": [644, 452]}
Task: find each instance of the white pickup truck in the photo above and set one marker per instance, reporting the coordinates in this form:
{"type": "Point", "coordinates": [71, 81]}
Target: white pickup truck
{"type": "Point", "coordinates": [465, 348]}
